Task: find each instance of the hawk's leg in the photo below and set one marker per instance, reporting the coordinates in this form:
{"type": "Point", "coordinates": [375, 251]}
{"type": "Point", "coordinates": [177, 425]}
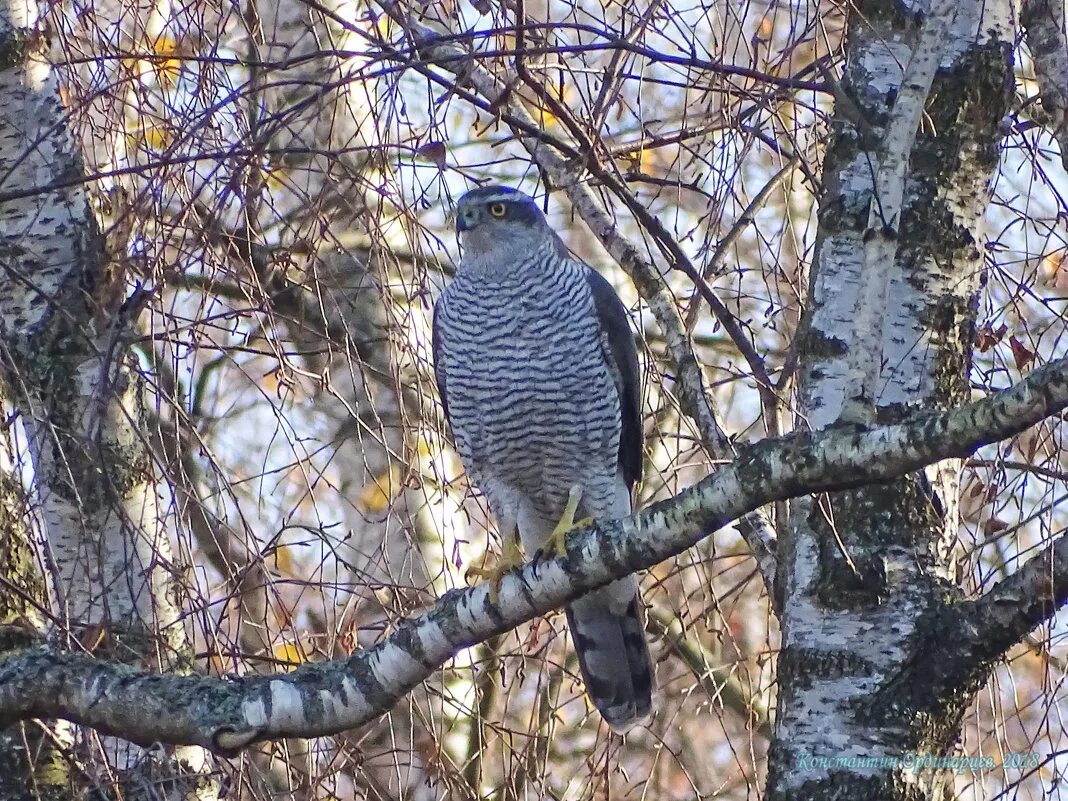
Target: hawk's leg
{"type": "Point", "coordinates": [557, 541]}
{"type": "Point", "coordinates": [511, 558]}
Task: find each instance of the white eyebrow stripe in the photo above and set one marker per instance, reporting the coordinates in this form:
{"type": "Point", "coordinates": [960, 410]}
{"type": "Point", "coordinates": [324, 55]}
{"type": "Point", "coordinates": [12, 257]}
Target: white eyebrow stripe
{"type": "Point", "coordinates": [496, 197]}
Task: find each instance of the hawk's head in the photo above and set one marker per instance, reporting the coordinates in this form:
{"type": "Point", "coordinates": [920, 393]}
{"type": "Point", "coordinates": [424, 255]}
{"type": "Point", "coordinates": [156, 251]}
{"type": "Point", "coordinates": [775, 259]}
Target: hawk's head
{"type": "Point", "coordinates": [496, 207]}
{"type": "Point", "coordinates": [498, 223]}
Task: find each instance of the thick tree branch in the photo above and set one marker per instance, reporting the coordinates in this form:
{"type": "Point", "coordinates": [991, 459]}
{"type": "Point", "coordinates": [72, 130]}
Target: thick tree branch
{"type": "Point", "coordinates": [320, 699]}
{"type": "Point", "coordinates": [1046, 24]}
{"type": "Point", "coordinates": [972, 635]}
{"type": "Point", "coordinates": [1019, 603]}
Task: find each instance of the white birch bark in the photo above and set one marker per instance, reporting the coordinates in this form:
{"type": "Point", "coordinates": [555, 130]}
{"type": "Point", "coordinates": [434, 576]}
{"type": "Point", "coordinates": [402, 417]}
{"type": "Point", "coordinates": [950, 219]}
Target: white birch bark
{"type": "Point", "coordinates": [31, 756]}
{"type": "Point", "coordinates": [890, 166]}
{"type": "Point", "coordinates": [97, 495]}
{"type": "Point", "coordinates": [859, 572]}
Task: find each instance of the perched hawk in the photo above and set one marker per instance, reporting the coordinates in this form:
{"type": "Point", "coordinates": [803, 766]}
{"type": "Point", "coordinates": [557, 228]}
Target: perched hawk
{"type": "Point", "coordinates": [538, 375]}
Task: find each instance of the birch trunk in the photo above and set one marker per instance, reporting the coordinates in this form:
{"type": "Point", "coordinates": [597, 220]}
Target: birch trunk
{"type": "Point", "coordinates": [31, 767]}
{"type": "Point", "coordinates": [863, 574]}
{"type": "Point", "coordinates": [111, 574]}
{"type": "Point", "coordinates": [1045, 24]}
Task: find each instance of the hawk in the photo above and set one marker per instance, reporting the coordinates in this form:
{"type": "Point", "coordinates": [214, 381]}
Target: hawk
{"type": "Point", "coordinates": [538, 376]}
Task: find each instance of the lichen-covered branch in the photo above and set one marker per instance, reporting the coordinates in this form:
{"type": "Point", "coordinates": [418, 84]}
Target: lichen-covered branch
{"type": "Point", "coordinates": [967, 639]}
{"type": "Point", "coordinates": [1015, 606]}
{"type": "Point", "coordinates": [320, 699]}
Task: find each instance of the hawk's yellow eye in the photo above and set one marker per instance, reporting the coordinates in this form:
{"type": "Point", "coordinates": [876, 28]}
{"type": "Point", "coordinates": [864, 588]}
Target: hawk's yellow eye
{"type": "Point", "coordinates": [497, 210]}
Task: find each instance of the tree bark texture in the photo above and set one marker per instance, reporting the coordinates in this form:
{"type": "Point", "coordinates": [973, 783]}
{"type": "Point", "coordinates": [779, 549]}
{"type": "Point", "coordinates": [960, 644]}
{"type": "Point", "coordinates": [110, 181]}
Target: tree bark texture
{"type": "Point", "coordinates": [1045, 25]}
{"type": "Point", "coordinates": [865, 574]}
{"type": "Point", "coordinates": [67, 371]}
{"type": "Point", "coordinates": [31, 766]}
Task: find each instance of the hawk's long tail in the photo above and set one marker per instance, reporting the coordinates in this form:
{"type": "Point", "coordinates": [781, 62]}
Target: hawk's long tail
{"type": "Point", "coordinates": [606, 626]}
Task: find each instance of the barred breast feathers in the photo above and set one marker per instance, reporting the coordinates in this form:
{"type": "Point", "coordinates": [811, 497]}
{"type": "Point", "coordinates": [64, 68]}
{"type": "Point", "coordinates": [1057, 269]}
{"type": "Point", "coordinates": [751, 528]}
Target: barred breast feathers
{"type": "Point", "coordinates": [529, 387]}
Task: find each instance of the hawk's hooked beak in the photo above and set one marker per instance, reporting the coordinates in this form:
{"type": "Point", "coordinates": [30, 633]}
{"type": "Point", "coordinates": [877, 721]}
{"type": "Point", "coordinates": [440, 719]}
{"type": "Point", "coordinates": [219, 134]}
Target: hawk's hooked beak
{"type": "Point", "coordinates": [466, 219]}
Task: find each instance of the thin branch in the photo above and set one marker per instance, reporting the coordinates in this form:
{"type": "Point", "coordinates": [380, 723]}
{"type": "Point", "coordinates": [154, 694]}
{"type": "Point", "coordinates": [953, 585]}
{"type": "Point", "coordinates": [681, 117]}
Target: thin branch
{"type": "Point", "coordinates": [321, 699]}
{"type": "Point", "coordinates": [726, 689]}
{"type": "Point", "coordinates": [714, 264]}
{"type": "Point", "coordinates": [1022, 467]}
{"type": "Point", "coordinates": [486, 682]}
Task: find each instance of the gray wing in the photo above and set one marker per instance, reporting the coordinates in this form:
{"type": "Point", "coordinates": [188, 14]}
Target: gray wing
{"type": "Point", "coordinates": [622, 356]}
{"type": "Point", "coordinates": [439, 368]}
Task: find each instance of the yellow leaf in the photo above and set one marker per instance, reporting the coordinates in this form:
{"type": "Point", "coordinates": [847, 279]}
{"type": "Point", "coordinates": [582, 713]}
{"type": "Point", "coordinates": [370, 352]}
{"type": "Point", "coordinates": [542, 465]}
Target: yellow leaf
{"type": "Point", "coordinates": [377, 494]}
{"type": "Point", "coordinates": [641, 160]}
{"type": "Point", "coordinates": [168, 70]}
{"type": "Point", "coordinates": [276, 177]}
{"type": "Point", "coordinates": [765, 29]}
{"type": "Point", "coordinates": [422, 446]}
{"type": "Point", "coordinates": [164, 70]}
{"type": "Point", "coordinates": [164, 45]}
{"type": "Point", "coordinates": [540, 108]}
{"type": "Point", "coordinates": [546, 119]}
{"type": "Point", "coordinates": [270, 380]}
{"type": "Point", "coordinates": [156, 137]}
{"type": "Point", "coordinates": [290, 652]}
{"type": "Point", "coordinates": [283, 560]}
{"type": "Point", "coordinates": [1054, 270]}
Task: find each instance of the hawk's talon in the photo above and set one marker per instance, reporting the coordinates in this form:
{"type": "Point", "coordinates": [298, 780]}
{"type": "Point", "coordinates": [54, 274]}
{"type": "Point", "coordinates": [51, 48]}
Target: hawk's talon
{"type": "Point", "coordinates": [511, 558]}
{"type": "Point", "coordinates": [556, 543]}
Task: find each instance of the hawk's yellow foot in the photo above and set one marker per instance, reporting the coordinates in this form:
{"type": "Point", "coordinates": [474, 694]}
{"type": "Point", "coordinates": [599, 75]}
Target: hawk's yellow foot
{"type": "Point", "coordinates": [511, 558]}
{"type": "Point", "coordinates": [557, 541]}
